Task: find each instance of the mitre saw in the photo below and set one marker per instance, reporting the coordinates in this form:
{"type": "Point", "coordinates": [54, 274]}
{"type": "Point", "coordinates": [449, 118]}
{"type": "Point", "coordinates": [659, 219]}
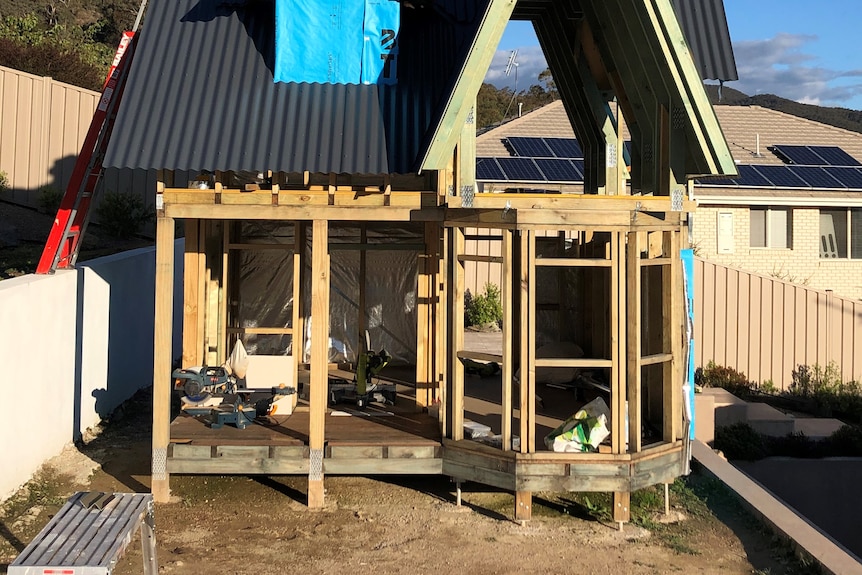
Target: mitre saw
{"type": "Point", "coordinates": [218, 394]}
{"type": "Point", "coordinates": [363, 389]}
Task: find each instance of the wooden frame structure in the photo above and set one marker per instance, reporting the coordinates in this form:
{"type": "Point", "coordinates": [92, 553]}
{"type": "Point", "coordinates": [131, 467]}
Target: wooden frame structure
{"type": "Point", "coordinates": [623, 247]}
{"type": "Point", "coordinates": [613, 259]}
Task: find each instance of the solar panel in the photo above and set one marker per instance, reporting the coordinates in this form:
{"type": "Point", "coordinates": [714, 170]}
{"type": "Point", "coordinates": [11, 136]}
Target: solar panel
{"type": "Point", "coordinates": [579, 166]}
{"type": "Point", "coordinates": [520, 169]}
{"type": "Point", "coordinates": [815, 176]}
{"type": "Point", "coordinates": [488, 169]}
{"type": "Point", "coordinates": [781, 177]}
{"type": "Point", "coordinates": [530, 147]}
{"type": "Point", "coordinates": [565, 147]}
{"type": "Point", "coordinates": [850, 177]}
{"type": "Point", "coordinates": [558, 170]}
{"type": "Point", "coordinates": [801, 155]}
{"type": "Point", "coordinates": [749, 177]}
{"type": "Point", "coordinates": [719, 182]}
{"type": "Point", "coordinates": [834, 156]}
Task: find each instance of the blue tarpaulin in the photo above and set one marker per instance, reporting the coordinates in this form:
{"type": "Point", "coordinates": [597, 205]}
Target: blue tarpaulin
{"type": "Point", "coordinates": [380, 51]}
{"type": "Point", "coordinates": [336, 41]}
{"type": "Point", "coordinates": [688, 277]}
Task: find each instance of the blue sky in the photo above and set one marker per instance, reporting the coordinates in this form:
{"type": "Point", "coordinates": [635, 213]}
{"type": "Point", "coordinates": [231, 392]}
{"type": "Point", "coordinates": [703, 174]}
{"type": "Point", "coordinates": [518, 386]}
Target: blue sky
{"type": "Point", "coordinates": [806, 51]}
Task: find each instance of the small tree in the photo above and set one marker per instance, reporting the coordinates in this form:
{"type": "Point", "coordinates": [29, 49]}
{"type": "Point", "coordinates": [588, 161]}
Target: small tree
{"type": "Point", "coordinates": [123, 215]}
{"type": "Point", "coordinates": [486, 308]}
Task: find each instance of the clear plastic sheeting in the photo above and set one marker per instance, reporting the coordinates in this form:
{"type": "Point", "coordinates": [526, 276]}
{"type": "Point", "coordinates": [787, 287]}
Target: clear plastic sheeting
{"type": "Point", "coordinates": [264, 298]}
{"type": "Point", "coordinates": [263, 281]}
{"type": "Point", "coordinates": [390, 290]}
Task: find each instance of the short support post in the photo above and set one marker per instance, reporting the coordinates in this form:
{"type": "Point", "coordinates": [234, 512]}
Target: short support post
{"type": "Point", "coordinates": [523, 505]}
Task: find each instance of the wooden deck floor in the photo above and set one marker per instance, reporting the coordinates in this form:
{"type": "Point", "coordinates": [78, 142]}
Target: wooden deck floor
{"type": "Point", "coordinates": [374, 426]}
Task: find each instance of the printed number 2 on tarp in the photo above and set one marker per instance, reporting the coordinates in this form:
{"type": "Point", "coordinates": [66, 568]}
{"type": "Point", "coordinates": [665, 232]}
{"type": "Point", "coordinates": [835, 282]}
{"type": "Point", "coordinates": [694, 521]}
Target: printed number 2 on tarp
{"type": "Point", "coordinates": [336, 41]}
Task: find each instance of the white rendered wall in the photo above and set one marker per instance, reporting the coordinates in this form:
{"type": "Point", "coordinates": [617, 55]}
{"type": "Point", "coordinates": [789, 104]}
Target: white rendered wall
{"type": "Point", "coordinates": [73, 346]}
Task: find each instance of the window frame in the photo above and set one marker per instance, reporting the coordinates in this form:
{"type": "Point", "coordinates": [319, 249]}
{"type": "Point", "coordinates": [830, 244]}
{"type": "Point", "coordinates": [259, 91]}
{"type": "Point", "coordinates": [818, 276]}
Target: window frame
{"type": "Point", "coordinates": [848, 241]}
{"type": "Point", "coordinates": [768, 224]}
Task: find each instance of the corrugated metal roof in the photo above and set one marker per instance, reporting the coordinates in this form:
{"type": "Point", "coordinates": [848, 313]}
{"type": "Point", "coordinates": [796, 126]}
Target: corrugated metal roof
{"type": "Point", "coordinates": [201, 94]}
{"type": "Point", "coordinates": [704, 24]}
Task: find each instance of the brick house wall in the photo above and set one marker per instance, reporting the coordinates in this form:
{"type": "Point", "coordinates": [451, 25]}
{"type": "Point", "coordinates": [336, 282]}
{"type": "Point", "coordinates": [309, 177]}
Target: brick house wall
{"type": "Point", "coordinates": [800, 264]}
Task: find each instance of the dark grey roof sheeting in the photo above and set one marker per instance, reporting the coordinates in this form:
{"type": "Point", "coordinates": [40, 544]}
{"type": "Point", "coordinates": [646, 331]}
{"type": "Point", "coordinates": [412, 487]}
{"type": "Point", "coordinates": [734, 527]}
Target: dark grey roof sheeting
{"type": "Point", "coordinates": [200, 94]}
{"type": "Point", "coordinates": [704, 24]}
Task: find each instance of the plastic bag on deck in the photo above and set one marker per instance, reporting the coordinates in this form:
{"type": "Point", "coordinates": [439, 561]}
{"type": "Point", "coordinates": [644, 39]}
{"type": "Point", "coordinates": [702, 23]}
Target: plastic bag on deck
{"type": "Point", "coordinates": [583, 431]}
{"type": "Point", "coordinates": [237, 362]}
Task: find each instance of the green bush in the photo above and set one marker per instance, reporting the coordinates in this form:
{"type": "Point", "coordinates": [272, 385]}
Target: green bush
{"type": "Point", "coordinates": [719, 376]}
{"type": "Point", "coordinates": [4, 182]}
{"type": "Point", "coordinates": [69, 53]}
{"type": "Point", "coordinates": [123, 215]}
{"type": "Point", "coordinates": [740, 441]}
{"type": "Point", "coordinates": [795, 444]}
{"type": "Point", "coordinates": [846, 442]}
{"type": "Point", "coordinates": [485, 308]}
{"type": "Point", "coordinates": [49, 200]}
{"type": "Point", "coordinates": [826, 391]}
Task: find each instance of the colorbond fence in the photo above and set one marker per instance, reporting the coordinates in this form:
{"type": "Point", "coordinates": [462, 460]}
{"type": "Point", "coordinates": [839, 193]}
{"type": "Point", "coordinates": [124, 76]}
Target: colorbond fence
{"type": "Point", "coordinates": [765, 327]}
{"type": "Point", "coordinates": [43, 123]}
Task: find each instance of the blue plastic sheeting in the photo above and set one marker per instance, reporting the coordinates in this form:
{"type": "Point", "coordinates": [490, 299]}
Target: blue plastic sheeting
{"type": "Point", "coordinates": [380, 50]}
{"type": "Point", "coordinates": [688, 277]}
{"type": "Point", "coordinates": [336, 41]}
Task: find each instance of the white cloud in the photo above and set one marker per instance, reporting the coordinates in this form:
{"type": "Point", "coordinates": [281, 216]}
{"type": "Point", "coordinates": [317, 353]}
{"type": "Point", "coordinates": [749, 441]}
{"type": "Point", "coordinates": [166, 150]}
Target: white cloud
{"type": "Point", "coordinates": [780, 66]}
{"type": "Point", "coordinates": [531, 61]}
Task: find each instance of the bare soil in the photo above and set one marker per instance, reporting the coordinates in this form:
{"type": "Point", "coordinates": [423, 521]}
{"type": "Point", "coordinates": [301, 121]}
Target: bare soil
{"type": "Point", "coordinates": [398, 525]}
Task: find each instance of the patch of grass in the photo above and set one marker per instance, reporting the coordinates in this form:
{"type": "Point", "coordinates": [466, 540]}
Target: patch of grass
{"type": "Point", "coordinates": [679, 545]}
{"type": "Point", "coordinates": [44, 489]}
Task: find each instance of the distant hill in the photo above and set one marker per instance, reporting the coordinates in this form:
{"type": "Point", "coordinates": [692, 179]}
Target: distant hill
{"type": "Point", "coordinates": [838, 117]}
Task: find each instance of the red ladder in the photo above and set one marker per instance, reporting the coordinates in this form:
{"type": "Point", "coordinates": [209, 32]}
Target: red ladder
{"type": "Point", "coordinates": [64, 240]}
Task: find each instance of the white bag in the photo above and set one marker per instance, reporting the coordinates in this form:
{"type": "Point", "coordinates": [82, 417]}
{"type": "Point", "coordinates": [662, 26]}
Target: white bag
{"type": "Point", "coordinates": [237, 362]}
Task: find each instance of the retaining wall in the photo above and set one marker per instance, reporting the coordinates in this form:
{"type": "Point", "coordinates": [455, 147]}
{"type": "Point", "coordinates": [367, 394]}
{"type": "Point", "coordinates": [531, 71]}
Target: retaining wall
{"type": "Point", "coordinates": [73, 346]}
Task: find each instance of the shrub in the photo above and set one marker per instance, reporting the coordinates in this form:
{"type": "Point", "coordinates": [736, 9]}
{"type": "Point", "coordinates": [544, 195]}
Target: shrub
{"type": "Point", "coordinates": [846, 442]}
{"type": "Point", "coordinates": [44, 59]}
{"type": "Point", "coordinates": [123, 215]}
{"type": "Point", "coordinates": [795, 444]}
{"type": "Point", "coordinates": [740, 441]}
{"type": "Point", "coordinates": [811, 381]}
{"type": "Point", "coordinates": [827, 392]}
{"type": "Point", "coordinates": [49, 200]}
{"type": "Point", "coordinates": [4, 182]}
{"type": "Point", "coordinates": [485, 308]}
{"type": "Point", "coordinates": [719, 376]}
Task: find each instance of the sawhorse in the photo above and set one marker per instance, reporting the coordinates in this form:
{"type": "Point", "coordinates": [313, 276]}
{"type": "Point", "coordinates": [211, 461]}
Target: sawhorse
{"type": "Point", "coordinates": [89, 535]}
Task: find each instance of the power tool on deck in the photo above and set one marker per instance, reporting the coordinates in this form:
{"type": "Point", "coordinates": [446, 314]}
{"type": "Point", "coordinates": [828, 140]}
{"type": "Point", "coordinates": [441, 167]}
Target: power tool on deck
{"type": "Point", "coordinates": [363, 390]}
{"type": "Point", "coordinates": [214, 393]}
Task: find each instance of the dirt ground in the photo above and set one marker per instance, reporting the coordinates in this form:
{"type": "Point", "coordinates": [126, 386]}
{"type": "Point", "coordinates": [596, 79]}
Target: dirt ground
{"type": "Point", "coordinates": [398, 525]}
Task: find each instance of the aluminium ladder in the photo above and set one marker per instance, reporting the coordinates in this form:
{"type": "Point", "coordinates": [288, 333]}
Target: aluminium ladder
{"type": "Point", "coordinates": [64, 240]}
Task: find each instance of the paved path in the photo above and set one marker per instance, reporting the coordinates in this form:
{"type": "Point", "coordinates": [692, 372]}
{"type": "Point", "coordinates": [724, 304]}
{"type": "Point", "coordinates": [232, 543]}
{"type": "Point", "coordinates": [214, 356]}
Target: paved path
{"type": "Point", "coordinates": [832, 558]}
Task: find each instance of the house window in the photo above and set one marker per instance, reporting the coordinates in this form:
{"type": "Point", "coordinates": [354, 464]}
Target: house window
{"type": "Point", "coordinates": [841, 233]}
{"type": "Point", "coordinates": [771, 228]}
